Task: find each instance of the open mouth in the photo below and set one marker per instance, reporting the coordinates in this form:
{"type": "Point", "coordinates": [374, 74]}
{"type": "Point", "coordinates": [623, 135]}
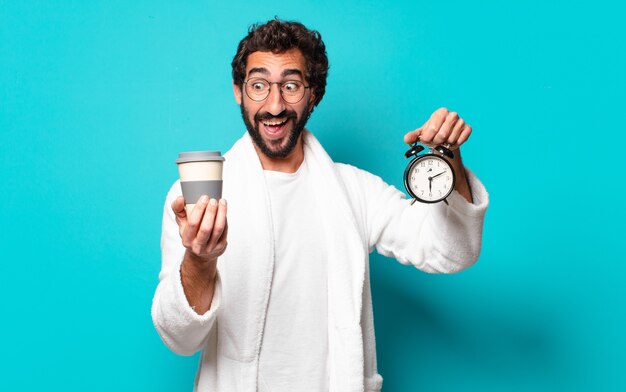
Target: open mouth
{"type": "Point", "coordinates": [275, 127]}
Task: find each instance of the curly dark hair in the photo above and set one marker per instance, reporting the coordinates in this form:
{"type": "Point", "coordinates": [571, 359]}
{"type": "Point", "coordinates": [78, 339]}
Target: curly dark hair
{"type": "Point", "coordinates": [279, 36]}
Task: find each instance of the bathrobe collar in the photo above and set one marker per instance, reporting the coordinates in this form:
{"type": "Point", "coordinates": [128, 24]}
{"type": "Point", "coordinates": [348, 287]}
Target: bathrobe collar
{"type": "Point", "coordinates": [344, 247]}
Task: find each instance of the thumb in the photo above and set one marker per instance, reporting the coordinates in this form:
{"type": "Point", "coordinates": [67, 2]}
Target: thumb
{"type": "Point", "coordinates": [178, 206]}
{"type": "Point", "coordinates": [412, 136]}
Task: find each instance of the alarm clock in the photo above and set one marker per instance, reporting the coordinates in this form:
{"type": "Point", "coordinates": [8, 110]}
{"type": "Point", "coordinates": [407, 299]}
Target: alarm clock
{"type": "Point", "coordinates": [429, 177]}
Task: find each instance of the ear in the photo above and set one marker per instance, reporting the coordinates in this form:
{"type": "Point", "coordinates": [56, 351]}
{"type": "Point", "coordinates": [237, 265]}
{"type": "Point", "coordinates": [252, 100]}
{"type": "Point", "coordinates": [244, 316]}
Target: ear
{"type": "Point", "coordinates": [311, 102]}
{"type": "Point", "coordinates": [238, 93]}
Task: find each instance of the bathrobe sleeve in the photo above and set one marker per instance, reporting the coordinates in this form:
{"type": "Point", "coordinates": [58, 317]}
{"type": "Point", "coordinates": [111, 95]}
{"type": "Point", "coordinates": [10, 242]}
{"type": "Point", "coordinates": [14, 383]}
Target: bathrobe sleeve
{"type": "Point", "coordinates": [179, 326]}
{"type": "Point", "coordinates": [435, 238]}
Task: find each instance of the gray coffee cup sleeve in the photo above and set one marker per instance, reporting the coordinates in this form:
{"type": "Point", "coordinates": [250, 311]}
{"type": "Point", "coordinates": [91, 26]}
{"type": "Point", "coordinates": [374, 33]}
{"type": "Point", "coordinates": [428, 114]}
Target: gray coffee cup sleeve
{"type": "Point", "coordinates": [192, 190]}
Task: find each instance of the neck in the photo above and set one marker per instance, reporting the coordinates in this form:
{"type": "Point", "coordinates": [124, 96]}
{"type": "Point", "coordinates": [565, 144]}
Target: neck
{"type": "Point", "coordinates": [290, 164]}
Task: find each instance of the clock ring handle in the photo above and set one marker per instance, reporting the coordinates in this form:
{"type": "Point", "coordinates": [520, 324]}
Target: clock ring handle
{"type": "Point", "coordinates": [445, 150]}
{"type": "Point", "coordinates": [414, 150]}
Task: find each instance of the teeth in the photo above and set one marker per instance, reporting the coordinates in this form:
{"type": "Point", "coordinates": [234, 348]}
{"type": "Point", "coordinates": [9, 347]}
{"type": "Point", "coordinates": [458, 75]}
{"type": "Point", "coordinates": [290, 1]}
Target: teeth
{"type": "Point", "coordinates": [273, 123]}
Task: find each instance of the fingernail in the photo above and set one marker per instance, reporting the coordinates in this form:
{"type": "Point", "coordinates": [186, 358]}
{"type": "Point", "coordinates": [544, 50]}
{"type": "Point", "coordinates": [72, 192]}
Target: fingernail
{"type": "Point", "coordinates": [204, 199]}
{"type": "Point", "coordinates": [213, 202]}
{"type": "Point", "coordinates": [223, 202]}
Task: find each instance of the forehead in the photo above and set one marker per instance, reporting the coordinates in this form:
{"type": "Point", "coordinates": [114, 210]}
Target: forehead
{"type": "Point", "coordinates": [276, 63]}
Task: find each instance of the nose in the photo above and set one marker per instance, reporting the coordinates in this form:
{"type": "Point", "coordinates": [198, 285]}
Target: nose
{"type": "Point", "coordinates": [274, 103]}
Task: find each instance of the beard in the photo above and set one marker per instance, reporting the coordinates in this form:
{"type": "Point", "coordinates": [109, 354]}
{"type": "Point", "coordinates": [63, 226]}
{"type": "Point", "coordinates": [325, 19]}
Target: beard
{"type": "Point", "coordinates": [279, 150]}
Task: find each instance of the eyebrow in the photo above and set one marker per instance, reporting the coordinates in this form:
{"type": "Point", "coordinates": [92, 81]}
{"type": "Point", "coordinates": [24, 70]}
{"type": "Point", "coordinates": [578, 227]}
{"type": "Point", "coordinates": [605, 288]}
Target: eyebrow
{"type": "Point", "coordinates": [291, 71]}
{"type": "Point", "coordinates": [265, 71]}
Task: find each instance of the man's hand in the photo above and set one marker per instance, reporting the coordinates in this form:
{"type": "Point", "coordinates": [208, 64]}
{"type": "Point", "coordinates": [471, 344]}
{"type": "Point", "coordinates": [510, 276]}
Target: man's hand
{"type": "Point", "coordinates": [442, 127]}
{"type": "Point", "coordinates": [445, 127]}
{"type": "Point", "coordinates": [204, 232]}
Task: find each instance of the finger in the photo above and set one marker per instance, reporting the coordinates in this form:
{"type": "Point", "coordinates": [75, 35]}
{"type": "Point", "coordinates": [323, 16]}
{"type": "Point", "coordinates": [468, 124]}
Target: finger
{"type": "Point", "coordinates": [219, 226]}
{"type": "Point", "coordinates": [413, 136]}
{"type": "Point", "coordinates": [221, 245]}
{"type": "Point", "coordinates": [456, 132]}
{"type": "Point", "coordinates": [446, 128]}
{"type": "Point", "coordinates": [194, 221]}
{"type": "Point", "coordinates": [465, 134]}
{"type": "Point", "coordinates": [206, 226]}
{"type": "Point", "coordinates": [224, 234]}
{"type": "Point", "coordinates": [435, 122]}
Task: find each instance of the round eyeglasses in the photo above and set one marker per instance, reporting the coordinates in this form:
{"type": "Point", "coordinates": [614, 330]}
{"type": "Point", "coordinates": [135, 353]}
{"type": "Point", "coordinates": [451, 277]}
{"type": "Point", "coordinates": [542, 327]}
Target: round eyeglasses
{"type": "Point", "coordinates": [258, 89]}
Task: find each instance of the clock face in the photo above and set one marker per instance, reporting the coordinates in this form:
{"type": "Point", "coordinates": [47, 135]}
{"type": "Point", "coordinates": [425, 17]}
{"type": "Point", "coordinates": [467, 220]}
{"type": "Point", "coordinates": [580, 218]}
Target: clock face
{"type": "Point", "coordinates": [429, 178]}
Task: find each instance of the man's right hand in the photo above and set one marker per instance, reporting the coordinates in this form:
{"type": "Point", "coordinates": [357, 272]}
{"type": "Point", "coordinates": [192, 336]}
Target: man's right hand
{"type": "Point", "coordinates": [205, 230]}
{"type": "Point", "coordinates": [204, 234]}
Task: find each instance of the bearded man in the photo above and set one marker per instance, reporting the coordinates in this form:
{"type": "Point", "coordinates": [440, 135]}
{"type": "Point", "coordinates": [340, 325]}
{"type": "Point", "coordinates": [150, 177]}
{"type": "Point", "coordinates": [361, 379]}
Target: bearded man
{"type": "Point", "coordinates": [274, 287]}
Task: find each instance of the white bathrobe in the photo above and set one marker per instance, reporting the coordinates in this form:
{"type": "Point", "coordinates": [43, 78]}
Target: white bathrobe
{"type": "Point", "coordinates": [362, 213]}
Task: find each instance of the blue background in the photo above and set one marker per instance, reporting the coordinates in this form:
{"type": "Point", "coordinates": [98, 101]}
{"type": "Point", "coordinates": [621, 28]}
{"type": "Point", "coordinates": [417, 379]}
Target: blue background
{"type": "Point", "coordinates": [97, 98]}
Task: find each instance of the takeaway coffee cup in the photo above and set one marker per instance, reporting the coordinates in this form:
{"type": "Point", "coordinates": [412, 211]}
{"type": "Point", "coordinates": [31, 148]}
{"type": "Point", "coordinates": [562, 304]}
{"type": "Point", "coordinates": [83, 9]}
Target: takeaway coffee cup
{"type": "Point", "coordinates": [200, 174]}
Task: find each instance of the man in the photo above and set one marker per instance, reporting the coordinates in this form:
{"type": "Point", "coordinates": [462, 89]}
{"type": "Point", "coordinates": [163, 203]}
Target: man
{"type": "Point", "coordinates": [277, 296]}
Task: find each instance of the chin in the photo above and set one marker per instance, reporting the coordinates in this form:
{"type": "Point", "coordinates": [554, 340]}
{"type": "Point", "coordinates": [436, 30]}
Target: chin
{"type": "Point", "coordinates": [278, 148]}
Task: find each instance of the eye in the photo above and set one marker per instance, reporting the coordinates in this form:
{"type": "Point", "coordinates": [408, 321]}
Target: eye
{"type": "Point", "coordinates": [292, 86]}
{"type": "Point", "coordinates": [259, 86]}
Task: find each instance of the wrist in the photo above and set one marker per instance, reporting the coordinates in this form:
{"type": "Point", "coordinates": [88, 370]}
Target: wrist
{"type": "Point", "coordinates": [198, 276]}
{"type": "Point", "coordinates": [462, 183]}
{"type": "Point", "coordinates": [199, 264]}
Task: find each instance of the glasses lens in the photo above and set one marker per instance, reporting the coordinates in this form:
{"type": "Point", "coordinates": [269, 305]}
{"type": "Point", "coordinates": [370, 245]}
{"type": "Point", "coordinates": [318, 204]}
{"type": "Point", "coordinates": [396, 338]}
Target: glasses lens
{"type": "Point", "coordinates": [257, 89]}
{"type": "Point", "coordinates": [292, 91]}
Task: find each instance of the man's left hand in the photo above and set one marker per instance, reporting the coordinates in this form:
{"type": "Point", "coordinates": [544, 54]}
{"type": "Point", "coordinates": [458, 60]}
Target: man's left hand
{"type": "Point", "coordinates": [446, 127]}
{"type": "Point", "coordinates": [443, 127]}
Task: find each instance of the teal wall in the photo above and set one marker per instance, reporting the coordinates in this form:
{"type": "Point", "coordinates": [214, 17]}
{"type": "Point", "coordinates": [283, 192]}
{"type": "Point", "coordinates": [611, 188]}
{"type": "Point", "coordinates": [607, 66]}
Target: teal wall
{"type": "Point", "coordinates": [97, 98]}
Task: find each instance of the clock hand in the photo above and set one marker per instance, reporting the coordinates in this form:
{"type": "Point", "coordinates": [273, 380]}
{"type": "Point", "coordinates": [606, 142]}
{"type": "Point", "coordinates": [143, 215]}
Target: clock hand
{"type": "Point", "coordinates": [437, 175]}
{"type": "Point", "coordinates": [430, 184]}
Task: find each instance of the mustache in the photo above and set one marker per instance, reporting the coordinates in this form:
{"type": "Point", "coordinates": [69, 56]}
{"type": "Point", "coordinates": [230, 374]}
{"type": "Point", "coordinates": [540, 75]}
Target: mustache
{"type": "Point", "coordinates": [288, 114]}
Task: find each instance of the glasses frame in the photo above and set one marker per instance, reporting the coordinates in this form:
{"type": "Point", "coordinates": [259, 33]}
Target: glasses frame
{"type": "Point", "coordinates": [280, 89]}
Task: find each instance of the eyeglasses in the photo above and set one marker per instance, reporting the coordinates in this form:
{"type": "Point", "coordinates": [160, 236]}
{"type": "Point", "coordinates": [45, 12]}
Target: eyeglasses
{"type": "Point", "coordinates": [258, 89]}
